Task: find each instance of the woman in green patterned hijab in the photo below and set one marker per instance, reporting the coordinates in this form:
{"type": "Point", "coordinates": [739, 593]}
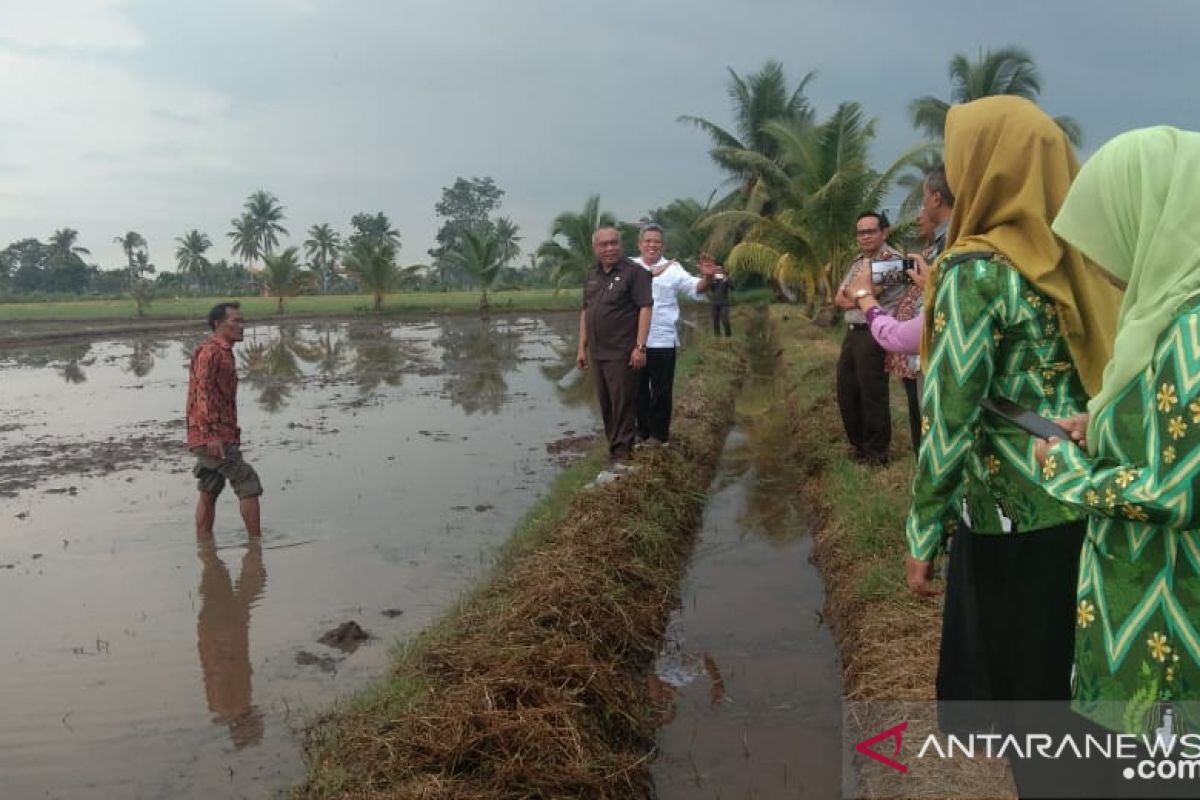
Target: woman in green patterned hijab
{"type": "Point", "coordinates": [1134, 210]}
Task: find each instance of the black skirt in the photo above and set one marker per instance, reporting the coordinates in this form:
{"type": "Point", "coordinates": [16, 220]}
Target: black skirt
{"type": "Point", "coordinates": [1008, 628]}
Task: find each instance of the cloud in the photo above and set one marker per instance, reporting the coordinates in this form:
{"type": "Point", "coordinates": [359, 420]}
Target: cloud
{"type": "Point", "coordinates": [80, 25]}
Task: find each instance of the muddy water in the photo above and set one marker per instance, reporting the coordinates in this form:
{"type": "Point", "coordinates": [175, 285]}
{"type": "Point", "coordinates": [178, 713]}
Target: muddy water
{"type": "Point", "coordinates": [749, 673]}
{"type": "Point", "coordinates": [396, 458]}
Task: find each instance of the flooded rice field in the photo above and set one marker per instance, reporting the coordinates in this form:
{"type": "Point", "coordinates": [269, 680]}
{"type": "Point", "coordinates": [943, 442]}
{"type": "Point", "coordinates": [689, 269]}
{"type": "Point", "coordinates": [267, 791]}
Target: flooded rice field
{"type": "Point", "coordinates": [396, 459]}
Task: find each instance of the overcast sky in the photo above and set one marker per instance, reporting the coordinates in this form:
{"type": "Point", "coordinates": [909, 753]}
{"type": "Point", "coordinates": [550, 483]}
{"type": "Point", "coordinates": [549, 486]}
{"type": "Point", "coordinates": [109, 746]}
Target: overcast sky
{"type": "Point", "coordinates": [162, 115]}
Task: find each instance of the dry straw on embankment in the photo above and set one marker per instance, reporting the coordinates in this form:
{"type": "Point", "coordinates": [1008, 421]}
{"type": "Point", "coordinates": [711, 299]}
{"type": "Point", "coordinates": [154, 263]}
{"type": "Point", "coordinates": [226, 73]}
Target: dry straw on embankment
{"type": "Point", "coordinates": [888, 638]}
{"type": "Point", "coordinates": [536, 686]}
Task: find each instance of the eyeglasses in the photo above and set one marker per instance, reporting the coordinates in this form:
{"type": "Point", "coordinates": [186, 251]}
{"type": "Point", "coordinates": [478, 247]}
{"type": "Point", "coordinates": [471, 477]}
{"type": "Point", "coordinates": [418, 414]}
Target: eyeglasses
{"type": "Point", "coordinates": [867, 232]}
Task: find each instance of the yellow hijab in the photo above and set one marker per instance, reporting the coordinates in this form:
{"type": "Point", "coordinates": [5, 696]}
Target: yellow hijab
{"type": "Point", "coordinates": [1010, 166]}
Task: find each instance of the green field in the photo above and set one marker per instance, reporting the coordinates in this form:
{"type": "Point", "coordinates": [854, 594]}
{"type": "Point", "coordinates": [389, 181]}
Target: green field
{"type": "Point", "coordinates": [165, 308]}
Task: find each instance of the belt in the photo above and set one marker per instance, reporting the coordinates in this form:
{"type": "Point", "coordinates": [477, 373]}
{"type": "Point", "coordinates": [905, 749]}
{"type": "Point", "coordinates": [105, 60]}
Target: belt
{"type": "Point", "coordinates": [858, 326]}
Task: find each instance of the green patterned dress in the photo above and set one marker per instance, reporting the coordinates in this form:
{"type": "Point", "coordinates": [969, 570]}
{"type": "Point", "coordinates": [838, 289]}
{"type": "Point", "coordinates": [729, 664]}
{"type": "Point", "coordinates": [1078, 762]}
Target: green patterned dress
{"type": "Point", "coordinates": [1136, 644]}
{"type": "Point", "coordinates": [995, 335]}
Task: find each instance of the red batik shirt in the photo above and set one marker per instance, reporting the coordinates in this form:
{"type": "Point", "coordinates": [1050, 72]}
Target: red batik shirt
{"type": "Point", "coordinates": [212, 395]}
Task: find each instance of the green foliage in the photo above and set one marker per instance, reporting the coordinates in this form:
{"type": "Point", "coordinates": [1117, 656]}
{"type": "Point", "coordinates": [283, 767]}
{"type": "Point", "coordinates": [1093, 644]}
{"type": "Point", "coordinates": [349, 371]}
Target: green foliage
{"type": "Point", "coordinates": [481, 255]}
{"type": "Point", "coordinates": [373, 262]}
{"type": "Point", "coordinates": [818, 183]}
{"type": "Point", "coordinates": [283, 275]}
{"type": "Point", "coordinates": [1007, 70]}
{"type": "Point", "coordinates": [189, 256]}
{"type": "Point", "coordinates": [321, 248]}
{"type": "Point", "coordinates": [568, 252]}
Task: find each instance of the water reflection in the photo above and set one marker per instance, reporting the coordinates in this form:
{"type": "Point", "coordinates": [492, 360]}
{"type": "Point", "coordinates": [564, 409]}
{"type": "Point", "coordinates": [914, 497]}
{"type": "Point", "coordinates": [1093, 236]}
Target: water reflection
{"type": "Point", "coordinates": [144, 356]}
{"type": "Point", "coordinates": [67, 360]}
{"type": "Point", "coordinates": [223, 640]}
{"type": "Point", "coordinates": [477, 355]}
{"type": "Point", "coordinates": [379, 358]}
{"type": "Point", "coordinates": [271, 368]}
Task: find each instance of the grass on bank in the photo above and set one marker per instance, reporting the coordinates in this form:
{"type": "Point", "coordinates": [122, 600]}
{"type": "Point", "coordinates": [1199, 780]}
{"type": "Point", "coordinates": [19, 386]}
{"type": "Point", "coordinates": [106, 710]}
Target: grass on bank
{"type": "Point", "coordinates": [324, 305]}
{"type": "Point", "coordinates": [887, 636]}
{"type": "Point", "coordinates": [260, 308]}
{"type": "Point", "coordinates": [534, 686]}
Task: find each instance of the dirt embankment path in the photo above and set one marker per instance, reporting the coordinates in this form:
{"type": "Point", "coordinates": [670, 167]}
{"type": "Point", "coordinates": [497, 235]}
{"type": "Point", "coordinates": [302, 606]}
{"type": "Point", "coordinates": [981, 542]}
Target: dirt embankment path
{"type": "Point", "coordinates": [888, 638]}
{"type": "Point", "coordinates": [537, 686]}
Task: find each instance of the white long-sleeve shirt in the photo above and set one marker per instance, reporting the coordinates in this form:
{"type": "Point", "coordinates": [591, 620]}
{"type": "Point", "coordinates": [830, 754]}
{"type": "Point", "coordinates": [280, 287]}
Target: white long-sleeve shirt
{"type": "Point", "coordinates": [668, 285]}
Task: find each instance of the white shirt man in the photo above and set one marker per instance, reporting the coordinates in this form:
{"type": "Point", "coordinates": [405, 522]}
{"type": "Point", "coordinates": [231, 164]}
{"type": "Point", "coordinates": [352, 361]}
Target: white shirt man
{"type": "Point", "coordinates": [670, 281]}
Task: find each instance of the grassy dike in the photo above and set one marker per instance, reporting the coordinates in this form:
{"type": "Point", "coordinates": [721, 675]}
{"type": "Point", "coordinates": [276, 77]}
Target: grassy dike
{"type": "Point", "coordinates": [316, 305]}
{"type": "Point", "coordinates": [535, 685]}
{"type": "Point", "coordinates": [887, 636]}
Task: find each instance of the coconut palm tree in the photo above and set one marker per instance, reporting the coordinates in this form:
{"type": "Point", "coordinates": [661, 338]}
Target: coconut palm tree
{"type": "Point", "coordinates": [283, 275]}
{"type": "Point", "coordinates": [479, 254]}
{"type": "Point", "coordinates": [819, 183]}
{"type": "Point", "coordinates": [265, 214]}
{"type": "Point", "coordinates": [373, 263]}
{"type": "Point", "coordinates": [189, 256]}
{"type": "Point", "coordinates": [570, 259]}
{"type": "Point", "coordinates": [508, 233]}
{"type": "Point", "coordinates": [759, 98]}
{"type": "Point", "coordinates": [321, 247]}
{"type": "Point", "coordinates": [246, 248]}
{"type": "Point", "coordinates": [1007, 70]}
{"type": "Point", "coordinates": [132, 242]}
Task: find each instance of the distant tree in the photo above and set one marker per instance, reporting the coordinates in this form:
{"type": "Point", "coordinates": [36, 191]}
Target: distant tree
{"type": "Point", "coordinates": [321, 247]}
{"type": "Point", "coordinates": [189, 256]}
{"type": "Point", "coordinates": [266, 216]}
{"type": "Point", "coordinates": [132, 243]}
{"type": "Point", "coordinates": [373, 227]}
{"type": "Point", "coordinates": [479, 254]}
{"type": "Point", "coordinates": [245, 246]}
{"type": "Point", "coordinates": [143, 295]}
{"type": "Point", "coordinates": [25, 265]}
{"type": "Point", "coordinates": [65, 270]}
{"type": "Point", "coordinates": [284, 276]}
{"type": "Point", "coordinates": [373, 264]}
{"type": "Point", "coordinates": [508, 234]}
{"type": "Point", "coordinates": [467, 203]}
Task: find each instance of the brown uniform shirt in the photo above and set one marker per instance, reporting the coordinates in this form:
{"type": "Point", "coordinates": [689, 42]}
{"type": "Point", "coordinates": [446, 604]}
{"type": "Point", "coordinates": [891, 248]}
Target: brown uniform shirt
{"type": "Point", "coordinates": [611, 301]}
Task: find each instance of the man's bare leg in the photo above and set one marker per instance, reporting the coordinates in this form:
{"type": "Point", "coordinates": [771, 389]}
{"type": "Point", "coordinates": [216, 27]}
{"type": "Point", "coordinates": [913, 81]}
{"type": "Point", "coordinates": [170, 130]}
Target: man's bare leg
{"type": "Point", "coordinates": [206, 513]}
{"type": "Point", "coordinates": [250, 515]}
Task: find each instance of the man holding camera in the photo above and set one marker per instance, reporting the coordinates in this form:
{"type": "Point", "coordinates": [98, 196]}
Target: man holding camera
{"type": "Point", "coordinates": [862, 382]}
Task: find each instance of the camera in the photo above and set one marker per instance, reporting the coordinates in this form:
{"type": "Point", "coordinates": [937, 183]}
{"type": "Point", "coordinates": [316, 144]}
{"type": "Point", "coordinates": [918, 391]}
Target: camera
{"type": "Point", "coordinates": [892, 272]}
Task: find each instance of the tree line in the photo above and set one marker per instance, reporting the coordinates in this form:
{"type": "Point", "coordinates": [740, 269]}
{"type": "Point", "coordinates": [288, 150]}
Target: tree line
{"type": "Point", "coordinates": [784, 216]}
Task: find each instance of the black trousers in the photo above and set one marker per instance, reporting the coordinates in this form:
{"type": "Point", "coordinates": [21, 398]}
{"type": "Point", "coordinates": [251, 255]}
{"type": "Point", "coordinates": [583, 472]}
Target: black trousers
{"type": "Point", "coordinates": [862, 395]}
{"type": "Point", "coordinates": [616, 390]}
{"type": "Point", "coordinates": [720, 317]}
{"type": "Point", "coordinates": [914, 412]}
{"type": "Point", "coordinates": [654, 398]}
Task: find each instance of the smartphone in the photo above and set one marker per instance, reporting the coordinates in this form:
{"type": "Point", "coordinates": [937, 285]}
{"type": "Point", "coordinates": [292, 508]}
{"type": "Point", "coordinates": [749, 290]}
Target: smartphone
{"type": "Point", "coordinates": [1024, 419]}
{"type": "Point", "coordinates": [892, 271]}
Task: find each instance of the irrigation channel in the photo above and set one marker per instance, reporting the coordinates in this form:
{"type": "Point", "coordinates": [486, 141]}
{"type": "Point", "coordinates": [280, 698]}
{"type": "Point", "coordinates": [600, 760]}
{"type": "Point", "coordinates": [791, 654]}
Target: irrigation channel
{"type": "Point", "coordinates": [749, 673]}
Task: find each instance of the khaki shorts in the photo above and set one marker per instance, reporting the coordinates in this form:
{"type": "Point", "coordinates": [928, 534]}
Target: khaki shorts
{"type": "Point", "coordinates": [211, 473]}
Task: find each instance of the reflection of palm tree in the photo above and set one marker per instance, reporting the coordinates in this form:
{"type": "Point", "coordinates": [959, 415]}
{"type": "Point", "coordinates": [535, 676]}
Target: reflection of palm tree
{"type": "Point", "coordinates": [271, 368]}
{"type": "Point", "coordinates": [379, 359]}
{"type": "Point", "coordinates": [68, 358]}
{"type": "Point", "coordinates": [223, 640]}
{"type": "Point", "coordinates": [142, 359]}
{"type": "Point", "coordinates": [329, 350]}
{"type": "Point", "coordinates": [477, 358]}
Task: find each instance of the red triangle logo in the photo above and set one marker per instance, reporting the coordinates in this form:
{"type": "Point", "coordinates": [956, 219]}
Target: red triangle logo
{"type": "Point", "coordinates": [896, 733]}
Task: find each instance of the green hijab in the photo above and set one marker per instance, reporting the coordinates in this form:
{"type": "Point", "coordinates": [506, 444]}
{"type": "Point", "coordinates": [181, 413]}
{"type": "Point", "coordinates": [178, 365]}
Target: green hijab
{"type": "Point", "coordinates": [1134, 210]}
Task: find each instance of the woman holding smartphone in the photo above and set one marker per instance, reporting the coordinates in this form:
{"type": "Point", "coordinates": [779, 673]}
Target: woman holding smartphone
{"type": "Point", "coordinates": [1010, 312]}
{"type": "Point", "coordinates": [1134, 211]}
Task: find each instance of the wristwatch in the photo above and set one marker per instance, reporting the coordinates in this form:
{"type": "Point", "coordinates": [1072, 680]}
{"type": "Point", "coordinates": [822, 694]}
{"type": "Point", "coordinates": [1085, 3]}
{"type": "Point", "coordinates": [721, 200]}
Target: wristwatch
{"type": "Point", "coordinates": [861, 293]}
{"type": "Point", "coordinates": [641, 348]}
